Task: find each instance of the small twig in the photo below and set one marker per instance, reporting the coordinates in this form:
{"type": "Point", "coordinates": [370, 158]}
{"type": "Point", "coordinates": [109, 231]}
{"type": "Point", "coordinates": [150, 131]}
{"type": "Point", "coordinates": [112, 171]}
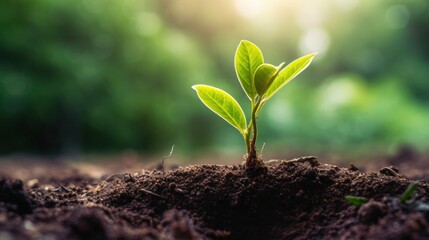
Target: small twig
{"type": "Point", "coordinates": [164, 158]}
{"type": "Point", "coordinates": [66, 189]}
{"type": "Point", "coordinates": [152, 193]}
{"type": "Point", "coordinates": [130, 178]}
{"type": "Point", "coordinates": [390, 171]}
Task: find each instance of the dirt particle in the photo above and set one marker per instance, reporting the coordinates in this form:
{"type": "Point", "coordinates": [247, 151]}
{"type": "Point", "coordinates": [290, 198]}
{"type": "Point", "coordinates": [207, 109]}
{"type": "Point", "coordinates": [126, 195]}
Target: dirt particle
{"type": "Point", "coordinates": [33, 183]}
{"type": "Point", "coordinates": [172, 186]}
{"type": "Point", "coordinates": [390, 171]}
{"type": "Point", "coordinates": [29, 226]}
{"type": "Point", "coordinates": [88, 224]}
{"type": "Point", "coordinates": [13, 196]}
{"type": "Point", "coordinates": [416, 223]}
{"type": "Point", "coordinates": [178, 225]}
{"type": "Point", "coordinates": [371, 212]}
{"type": "Point", "coordinates": [353, 168]}
{"type": "Point", "coordinates": [310, 174]}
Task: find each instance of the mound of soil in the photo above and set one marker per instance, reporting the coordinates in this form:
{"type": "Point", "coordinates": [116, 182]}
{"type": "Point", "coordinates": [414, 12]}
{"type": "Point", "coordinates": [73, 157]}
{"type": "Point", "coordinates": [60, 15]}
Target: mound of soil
{"type": "Point", "coordinates": [296, 199]}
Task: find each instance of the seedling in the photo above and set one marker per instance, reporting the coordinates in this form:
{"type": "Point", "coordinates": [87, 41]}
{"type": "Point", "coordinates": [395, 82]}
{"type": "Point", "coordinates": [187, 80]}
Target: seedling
{"type": "Point", "coordinates": [405, 196]}
{"type": "Point", "coordinates": [260, 81]}
{"type": "Point", "coordinates": [355, 200]}
{"type": "Point", "coordinates": [408, 193]}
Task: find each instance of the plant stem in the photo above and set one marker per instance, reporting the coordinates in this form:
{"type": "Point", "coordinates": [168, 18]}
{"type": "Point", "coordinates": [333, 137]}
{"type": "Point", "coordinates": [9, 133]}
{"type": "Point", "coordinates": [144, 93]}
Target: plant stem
{"type": "Point", "coordinates": [252, 159]}
{"type": "Point", "coordinates": [249, 130]}
{"type": "Point", "coordinates": [255, 129]}
{"type": "Point", "coordinates": [247, 140]}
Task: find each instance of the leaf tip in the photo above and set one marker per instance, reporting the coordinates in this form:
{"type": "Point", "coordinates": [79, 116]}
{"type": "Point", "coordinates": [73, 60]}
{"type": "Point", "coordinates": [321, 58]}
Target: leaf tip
{"type": "Point", "coordinates": [311, 56]}
{"type": "Point", "coordinates": [243, 41]}
{"type": "Point", "coordinates": [196, 86]}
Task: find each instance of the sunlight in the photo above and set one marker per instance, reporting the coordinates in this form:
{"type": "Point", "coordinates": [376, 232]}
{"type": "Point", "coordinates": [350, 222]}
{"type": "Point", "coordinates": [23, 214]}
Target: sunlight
{"type": "Point", "coordinates": [347, 4]}
{"type": "Point", "coordinates": [314, 40]}
{"type": "Point", "coordinates": [249, 8]}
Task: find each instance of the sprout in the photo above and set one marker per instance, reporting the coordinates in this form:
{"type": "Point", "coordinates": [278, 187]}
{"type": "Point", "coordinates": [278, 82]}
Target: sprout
{"type": "Point", "coordinates": [355, 200]}
{"type": "Point", "coordinates": [408, 193]}
{"type": "Point", "coordinates": [260, 81]}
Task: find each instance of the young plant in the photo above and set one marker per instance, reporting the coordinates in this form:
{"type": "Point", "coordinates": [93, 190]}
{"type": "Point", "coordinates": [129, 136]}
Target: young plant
{"type": "Point", "coordinates": [405, 196]}
{"type": "Point", "coordinates": [408, 193]}
{"type": "Point", "coordinates": [356, 200]}
{"type": "Point", "coordinates": [260, 81]}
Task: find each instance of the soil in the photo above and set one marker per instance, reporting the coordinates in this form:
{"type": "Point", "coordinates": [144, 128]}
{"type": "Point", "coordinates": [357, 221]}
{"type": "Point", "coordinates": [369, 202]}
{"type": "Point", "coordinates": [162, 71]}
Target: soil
{"type": "Point", "coordinates": [295, 199]}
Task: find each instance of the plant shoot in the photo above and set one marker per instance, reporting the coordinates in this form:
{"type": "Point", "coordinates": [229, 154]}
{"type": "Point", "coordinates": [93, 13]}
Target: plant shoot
{"type": "Point", "coordinates": [260, 81]}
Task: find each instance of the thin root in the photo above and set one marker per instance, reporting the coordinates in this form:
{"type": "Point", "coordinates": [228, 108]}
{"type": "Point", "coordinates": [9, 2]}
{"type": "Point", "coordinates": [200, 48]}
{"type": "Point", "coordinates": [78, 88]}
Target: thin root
{"type": "Point", "coordinates": [164, 158]}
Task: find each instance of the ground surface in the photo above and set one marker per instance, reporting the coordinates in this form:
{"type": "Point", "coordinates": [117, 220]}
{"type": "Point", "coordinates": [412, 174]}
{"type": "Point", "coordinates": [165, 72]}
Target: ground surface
{"type": "Point", "coordinates": [301, 199]}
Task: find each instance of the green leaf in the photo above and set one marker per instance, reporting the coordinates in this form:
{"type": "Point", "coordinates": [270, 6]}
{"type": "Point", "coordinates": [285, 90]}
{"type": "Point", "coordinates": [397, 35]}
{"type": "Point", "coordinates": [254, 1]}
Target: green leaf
{"type": "Point", "coordinates": [264, 77]}
{"type": "Point", "coordinates": [289, 73]}
{"type": "Point", "coordinates": [248, 57]}
{"type": "Point", "coordinates": [355, 200]}
{"type": "Point", "coordinates": [223, 104]}
{"type": "Point", "coordinates": [408, 193]}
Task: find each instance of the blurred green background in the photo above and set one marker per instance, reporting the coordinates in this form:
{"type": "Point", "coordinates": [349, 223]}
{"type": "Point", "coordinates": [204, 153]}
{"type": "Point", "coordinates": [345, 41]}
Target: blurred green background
{"type": "Point", "coordinates": [102, 76]}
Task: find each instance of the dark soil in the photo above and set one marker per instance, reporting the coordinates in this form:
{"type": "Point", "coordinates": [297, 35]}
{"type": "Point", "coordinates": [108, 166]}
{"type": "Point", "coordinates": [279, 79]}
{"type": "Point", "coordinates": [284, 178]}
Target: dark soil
{"type": "Point", "coordinates": [299, 199]}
